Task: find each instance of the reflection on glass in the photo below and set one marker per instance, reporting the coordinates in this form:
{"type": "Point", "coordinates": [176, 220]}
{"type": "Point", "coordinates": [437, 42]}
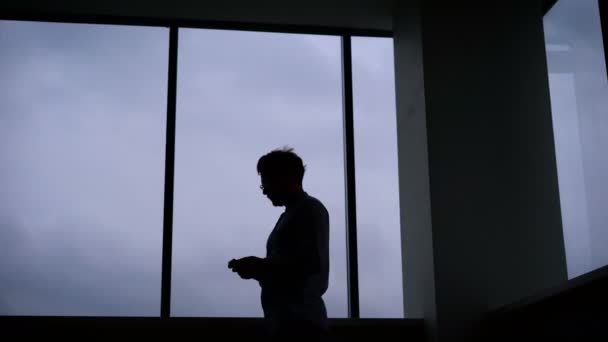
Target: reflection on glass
{"type": "Point", "coordinates": [579, 89]}
{"type": "Point", "coordinates": [240, 95]}
{"type": "Point", "coordinates": [377, 184]}
{"type": "Point", "coordinates": [82, 136]}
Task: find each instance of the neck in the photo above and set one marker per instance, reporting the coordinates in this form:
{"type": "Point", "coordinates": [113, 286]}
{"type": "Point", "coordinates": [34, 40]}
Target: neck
{"type": "Point", "coordinates": [293, 197]}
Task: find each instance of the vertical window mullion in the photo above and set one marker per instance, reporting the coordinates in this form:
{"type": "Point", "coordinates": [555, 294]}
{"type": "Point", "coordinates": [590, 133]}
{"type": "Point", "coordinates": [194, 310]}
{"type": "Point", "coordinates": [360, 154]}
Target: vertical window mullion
{"type": "Point", "coordinates": [165, 306]}
{"type": "Point", "coordinates": [349, 160]}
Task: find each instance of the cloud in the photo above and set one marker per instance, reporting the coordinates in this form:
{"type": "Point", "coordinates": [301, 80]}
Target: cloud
{"type": "Point", "coordinates": [82, 145]}
{"type": "Point", "coordinates": [63, 268]}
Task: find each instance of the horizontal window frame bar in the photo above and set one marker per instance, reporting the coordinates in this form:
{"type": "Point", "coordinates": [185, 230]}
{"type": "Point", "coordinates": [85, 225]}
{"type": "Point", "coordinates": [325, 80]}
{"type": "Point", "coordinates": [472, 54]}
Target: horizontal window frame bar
{"type": "Point", "coordinates": [74, 18]}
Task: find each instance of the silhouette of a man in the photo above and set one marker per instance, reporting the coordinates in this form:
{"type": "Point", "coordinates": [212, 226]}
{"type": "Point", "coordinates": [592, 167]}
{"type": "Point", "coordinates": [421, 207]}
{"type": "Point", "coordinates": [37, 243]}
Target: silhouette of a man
{"type": "Point", "coordinates": [294, 274]}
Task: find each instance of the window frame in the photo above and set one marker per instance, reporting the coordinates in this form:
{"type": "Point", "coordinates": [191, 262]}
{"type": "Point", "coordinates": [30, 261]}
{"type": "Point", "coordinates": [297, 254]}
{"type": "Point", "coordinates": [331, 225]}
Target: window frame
{"type": "Point", "coordinates": [174, 25]}
{"type": "Point", "coordinates": [547, 6]}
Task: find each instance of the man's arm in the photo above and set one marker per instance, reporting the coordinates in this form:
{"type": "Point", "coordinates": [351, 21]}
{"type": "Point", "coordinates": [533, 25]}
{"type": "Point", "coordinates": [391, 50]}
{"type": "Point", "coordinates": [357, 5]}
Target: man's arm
{"type": "Point", "coordinates": [301, 254]}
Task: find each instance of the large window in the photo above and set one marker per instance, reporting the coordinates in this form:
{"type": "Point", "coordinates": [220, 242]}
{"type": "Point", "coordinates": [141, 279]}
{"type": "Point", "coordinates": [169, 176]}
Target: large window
{"type": "Point", "coordinates": [241, 95]}
{"type": "Point", "coordinates": [86, 118]}
{"type": "Point", "coordinates": [579, 100]}
{"type": "Point", "coordinates": [377, 185]}
{"type": "Point", "coordinates": [82, 136]}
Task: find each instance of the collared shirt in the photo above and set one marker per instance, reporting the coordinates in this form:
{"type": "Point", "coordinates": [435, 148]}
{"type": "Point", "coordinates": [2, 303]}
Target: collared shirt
{"type": "Point", "coordinates": [298, 249]}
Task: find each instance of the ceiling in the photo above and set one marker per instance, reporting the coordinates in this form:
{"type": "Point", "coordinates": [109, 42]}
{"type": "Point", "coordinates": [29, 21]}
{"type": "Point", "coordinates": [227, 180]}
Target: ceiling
{"type": "Point", "coordinates": [352, 14]}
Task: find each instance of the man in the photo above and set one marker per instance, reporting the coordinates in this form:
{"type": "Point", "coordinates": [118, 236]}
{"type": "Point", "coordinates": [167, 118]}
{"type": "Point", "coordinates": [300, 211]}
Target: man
{"type": "Point", "coordinates": [294, 274]}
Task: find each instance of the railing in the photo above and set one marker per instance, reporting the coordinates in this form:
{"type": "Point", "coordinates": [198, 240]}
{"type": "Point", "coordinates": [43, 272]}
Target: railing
{"type": "Point", "coordinates": [577, 309]}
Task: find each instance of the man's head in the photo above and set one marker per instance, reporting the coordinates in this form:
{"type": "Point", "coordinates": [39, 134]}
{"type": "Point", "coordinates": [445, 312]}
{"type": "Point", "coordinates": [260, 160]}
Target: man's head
{"type": "Point", "coordinates": [281, 172]}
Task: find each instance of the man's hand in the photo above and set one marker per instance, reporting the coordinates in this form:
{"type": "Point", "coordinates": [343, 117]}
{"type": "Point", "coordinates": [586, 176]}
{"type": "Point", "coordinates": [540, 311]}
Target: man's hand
{"type": "Point", "coordinates": [248, 267]}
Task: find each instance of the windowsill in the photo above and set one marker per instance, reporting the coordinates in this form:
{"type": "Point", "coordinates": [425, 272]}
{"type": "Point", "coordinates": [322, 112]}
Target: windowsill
{"type": "Point", "coordinates": [176, 327]}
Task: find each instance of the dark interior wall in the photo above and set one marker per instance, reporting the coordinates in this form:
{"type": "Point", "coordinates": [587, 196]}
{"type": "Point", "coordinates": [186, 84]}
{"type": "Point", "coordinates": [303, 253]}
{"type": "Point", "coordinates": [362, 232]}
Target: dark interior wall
{"type": "Point", "coordinates": [495, 212]}
{"type": "Point", "coordinates": [491, 149]}
{"type": "Point", "coordinates": [365, 14]}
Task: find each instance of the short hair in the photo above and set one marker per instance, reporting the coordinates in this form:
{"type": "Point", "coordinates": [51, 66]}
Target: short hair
{"type": "Point", "coordinates": [282, 161]}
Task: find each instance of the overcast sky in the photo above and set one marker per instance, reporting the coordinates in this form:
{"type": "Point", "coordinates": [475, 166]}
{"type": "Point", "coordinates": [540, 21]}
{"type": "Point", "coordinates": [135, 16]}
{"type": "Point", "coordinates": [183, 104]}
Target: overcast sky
{"type": "Point", "coordinates": [82, 155]}
{"type": "Point", "coordinates": [82, 127]}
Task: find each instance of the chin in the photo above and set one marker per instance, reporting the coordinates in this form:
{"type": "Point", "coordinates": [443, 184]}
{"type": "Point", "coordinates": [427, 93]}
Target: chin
{"type": "Point", "coordinates": [275, 202]}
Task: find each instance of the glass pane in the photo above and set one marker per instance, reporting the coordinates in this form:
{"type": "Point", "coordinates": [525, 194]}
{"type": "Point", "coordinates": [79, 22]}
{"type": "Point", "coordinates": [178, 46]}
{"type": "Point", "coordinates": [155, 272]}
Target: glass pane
{"type": "Point", "coordinates": [82, 136]}
{"type": "Point", "coordinates": [377, 183]}
{"type": "Point", "coordinates": [241, 95]}
{"type": "Point", "coordinates": [579, 100]}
